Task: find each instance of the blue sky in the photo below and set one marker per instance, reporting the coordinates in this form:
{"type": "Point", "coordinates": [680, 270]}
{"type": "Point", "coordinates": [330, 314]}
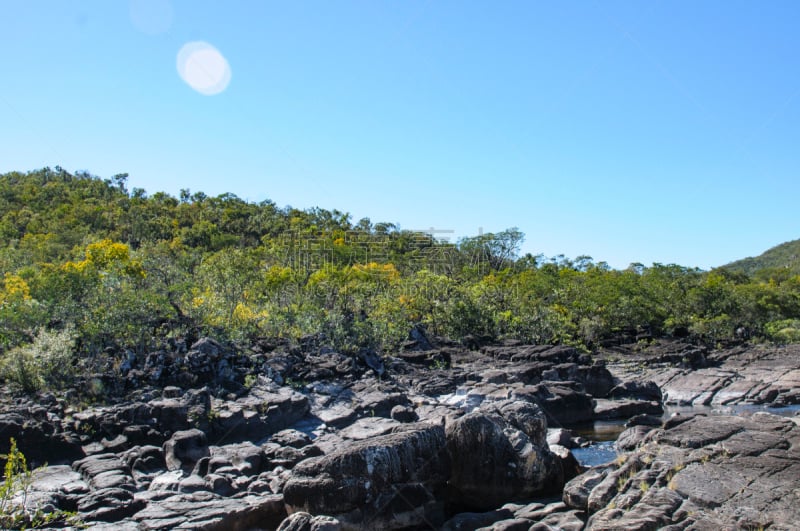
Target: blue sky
{"type": "Point", "coordinates": [629, 131]}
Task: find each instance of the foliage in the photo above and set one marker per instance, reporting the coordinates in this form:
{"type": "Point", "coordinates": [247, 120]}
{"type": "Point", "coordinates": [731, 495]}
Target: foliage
{"type": "Point", "coordinates": [85, 260]}
{"type": "Point", "coordinates": [784, 331]}
{"type": "Point", "coordinates": [780, 261]}
{"type": "Point", "coordinates": [14, 490]}
{"type": "Point", "coordinates": [47, 362]}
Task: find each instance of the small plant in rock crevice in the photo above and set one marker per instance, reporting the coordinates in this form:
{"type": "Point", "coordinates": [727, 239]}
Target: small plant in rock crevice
{"type": "Point", "coordinates": [14, 491]}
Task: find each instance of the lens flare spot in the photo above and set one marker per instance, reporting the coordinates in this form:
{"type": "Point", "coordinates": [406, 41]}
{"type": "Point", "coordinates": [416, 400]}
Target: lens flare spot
{"type": "Point", "coordinates": [203, 68]}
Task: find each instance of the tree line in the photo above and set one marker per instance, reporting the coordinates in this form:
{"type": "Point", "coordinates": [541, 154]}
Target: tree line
{"type": "Point", "coordinates": [112, 269]}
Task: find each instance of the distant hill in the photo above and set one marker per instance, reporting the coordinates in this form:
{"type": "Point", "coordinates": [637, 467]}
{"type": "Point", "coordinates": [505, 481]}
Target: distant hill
{"type": "Point", "coordinates": [785, 256]}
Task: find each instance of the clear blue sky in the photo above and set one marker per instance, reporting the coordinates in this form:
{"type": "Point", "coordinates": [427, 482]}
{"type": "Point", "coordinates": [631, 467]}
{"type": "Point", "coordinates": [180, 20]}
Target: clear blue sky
{"type": "Point", "coordinates": [629, 131]}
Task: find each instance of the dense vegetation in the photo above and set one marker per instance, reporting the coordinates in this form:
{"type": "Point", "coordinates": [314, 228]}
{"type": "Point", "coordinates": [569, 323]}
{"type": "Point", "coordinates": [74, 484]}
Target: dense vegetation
{"type": "Point", "coordinates": [92, 269]}
{"type": "Point", "coordinates": [782, 261]}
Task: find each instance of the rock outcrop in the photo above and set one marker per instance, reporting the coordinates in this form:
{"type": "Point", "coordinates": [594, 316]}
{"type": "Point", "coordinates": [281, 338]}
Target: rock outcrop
{"type": "Point", "coordinates": [694, 375]}
{"type": "Point", "coordinates": [499, 454]}
{"type": "Point", "coordinates": [710, 472]}
{"type": "Point", "coordinates": [387, 482]}
{"type": "Point", "coordinates": [441, 435]}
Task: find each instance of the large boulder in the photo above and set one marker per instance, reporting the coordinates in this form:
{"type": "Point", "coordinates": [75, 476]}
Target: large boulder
{"type": "Point", "coordinates": [387, 482]}
{"type": "Point", "coordinates": [526, 417]}
{"type": "Point", "coordinates": [495, 461]}
{"type": "Point", "coordinates": [596, 379]}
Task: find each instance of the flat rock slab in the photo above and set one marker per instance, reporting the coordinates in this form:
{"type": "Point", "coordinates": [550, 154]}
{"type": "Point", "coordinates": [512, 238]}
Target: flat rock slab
{"type": "Point", "coordinates": [625, 409]}
{"type": "Point", "coordinates": [369, 427]}
{"type": "Point", "coordinates": [753, 374]}
{"type": "Point", "coordinates": [709, 472]}
{"type": "Point", "coordinates": [209, 512]}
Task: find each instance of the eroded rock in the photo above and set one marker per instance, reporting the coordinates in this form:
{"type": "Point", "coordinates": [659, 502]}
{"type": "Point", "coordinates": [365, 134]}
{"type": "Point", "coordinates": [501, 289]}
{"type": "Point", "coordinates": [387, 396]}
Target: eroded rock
{"type": "Point", "coordinates": [494, 462]}
{"type": "Point", "coordinates": [388, 482]}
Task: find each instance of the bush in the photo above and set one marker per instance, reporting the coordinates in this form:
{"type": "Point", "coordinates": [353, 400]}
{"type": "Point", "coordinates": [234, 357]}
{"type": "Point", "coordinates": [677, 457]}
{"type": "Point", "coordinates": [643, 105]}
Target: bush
{"type": "Point", "coordinates": [45, 362]}
{"type": "Point", "coordinates": [783, 331]}
{"type": "Point", "coordinates": [713, 329]}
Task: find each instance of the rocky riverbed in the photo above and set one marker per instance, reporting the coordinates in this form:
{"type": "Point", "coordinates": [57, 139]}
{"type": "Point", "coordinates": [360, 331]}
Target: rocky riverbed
{"type": "Point", "coordinates": [438, 436]}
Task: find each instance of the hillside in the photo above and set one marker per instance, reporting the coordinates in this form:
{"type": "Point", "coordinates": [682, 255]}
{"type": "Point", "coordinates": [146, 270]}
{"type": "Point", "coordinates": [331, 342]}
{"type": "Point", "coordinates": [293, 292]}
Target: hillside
{"type": "Point", "coordinates": [785, 256]}
{"type": "Point", "coordinates": [91, 271]}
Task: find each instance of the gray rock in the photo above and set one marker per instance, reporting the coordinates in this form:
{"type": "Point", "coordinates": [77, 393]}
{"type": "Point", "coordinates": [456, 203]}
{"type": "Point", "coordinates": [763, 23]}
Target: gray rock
{"type": "Point", "coordinates": [287, 456]}
{"type": "Point", "coordinates": [387, 482]}
{"type": "Point", "coordinates": [208, 512]}
{"type": "Point", "coordinates": [493, 462]}
{"type": "Point", "coordinates": [192, 483]}
{"type": "Point", "coordinates": [691, 375]}
{"type": "Point", "coordinates": [168, 481]}
{"type": "Point", "coordinates": [512, 524]}
{"type": "Point", "coordinates": [709, 472]}
{"type": "Point", "coordinates": [245, 456]}
{"type": "Point", "coordinates": [185, 448]}
{"type": "Point", "coordinates": [644, 419]}
{"type": "Point", "coordinates": [219, 484]}
{"type": "Point", "coordinates": [625, 408]}
{"type": "Point", "coordinates": [559, 436]}
{"type": "Point", "coordinates": [291, 437]}
{"type": "Point", "coordinates": [564, 402]}
{"type": "Point", "coordinates": [631, 438]}
{"type": "Point", "coordinates": [577, 490]}
{"type": "Point", "coordinates": [367, 428]}
{"type": "Point", "coordinates": [537, 511]}
{"type": "Point", "coordinates": [105, 471]}
{"type": "Point", "coordinates": [568, 521]}
{"type": "Point", "coordinates": [638, 390]}
{"type": "Point", "coordinates": [597, 380]}
{"type": "Point", "coordinates": [302, 521]}
{"type": "Point", "coordinates": [470, 521]}
{"type": "Point", "coordinates": [523, 415]}
{"type": "Point", "coordinates": [263, 412]}
{"type": "Point", "coordinates": [404, 414]}
{"type": "Point", "coordinates": [208, 346]}
{"type": "Point", "coordinates": [570, 467]}
{"type": "Point", "coordinates": [373, 361]}
{"type": "Point", "coordinates": [108, 505]}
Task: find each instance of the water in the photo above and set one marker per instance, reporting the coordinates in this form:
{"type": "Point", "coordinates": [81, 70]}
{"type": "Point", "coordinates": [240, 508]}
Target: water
{"type": "Point", "coordinates": [600, 430]}
{"type": "Point", "coordinates": [596, 454]}
{"type": "Point", "coordinates": [603, 434]}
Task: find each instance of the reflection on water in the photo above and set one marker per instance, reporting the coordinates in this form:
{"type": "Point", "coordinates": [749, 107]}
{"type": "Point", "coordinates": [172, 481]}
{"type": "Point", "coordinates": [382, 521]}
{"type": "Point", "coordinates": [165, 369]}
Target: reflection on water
{"type": "Point", "coordinates": [602, 434]}
{"type": "Point", "coordinates": [600, 430]}
{"type": "Point", "coordinates": [596, 454]}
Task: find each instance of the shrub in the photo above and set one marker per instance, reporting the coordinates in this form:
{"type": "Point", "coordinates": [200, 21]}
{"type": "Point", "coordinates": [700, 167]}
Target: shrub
{"type": "Point", "coordinates": [45, 362]}
{"type": "Point", "coordinates": [784, 331]}
{"type": "Point", "coordinates": [17, 481]}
